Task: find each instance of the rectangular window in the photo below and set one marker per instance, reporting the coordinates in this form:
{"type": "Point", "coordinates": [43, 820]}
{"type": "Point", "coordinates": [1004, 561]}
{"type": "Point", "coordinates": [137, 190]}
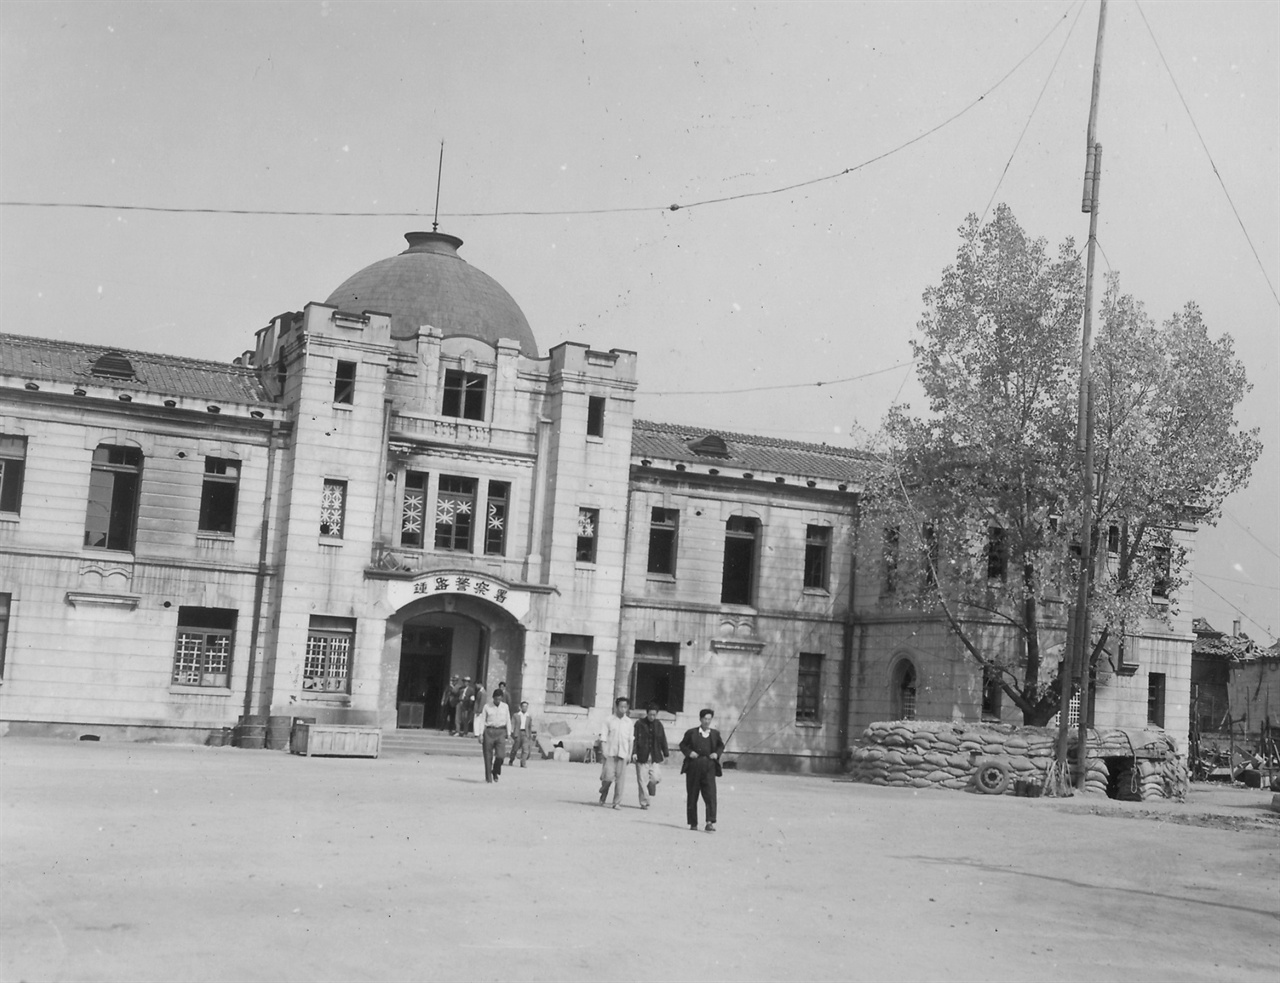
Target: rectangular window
{"type": "Point", "coordinates": [1113, 540]}
{"type": "Point", "coordinates": [13, 463]}
{"type": "Point", "coordinates": [463, 394]}
{"type": "Point", "coordinates": [1161, 562]}
{"type": "Point", "coordinates": [455, 512]}
{"type": "Point", "coordinates": [344, 383]}
{"type": "Point", "coordinates": [571, 671]}
{"type": "Point", "coordinates": [6, 604]}
{"type": "Point", "coordinates": [588, 528]}
{"type": "Point", "coordinates": [658, 678]}
{"type": "Point", "coordinates": [218, 499]}
{"type": "Point", "coordinates": [595, 416]}
{"type": "Point", "coordinates": [663, 526]}
{"type": "Point", "coordinates": [997, 553]}
{"type": "Point", "coordinates": [413, 509]}
{"type": "Point", "coordinates": [817, 556]}
{"type": "Point", "coordinates": [1155, 698]}
{"type": "Point", "coordinates": [992, 694]}
{"type": "Point", "coordinates": [737, 585]}
{"type": "Point", "coordinates": [929, 554]}
{"type": "Point", "coordinates": [889, 556]}
{"type": "Point", "coordinates": [809, 688]}
{"type": "Point", "coordinates": [333, 508]}
{"type": "Point", "coordinates": [495, 521]}
{"type": "Point", "coordinates": [327, 665]}
{"type": "Point", "coordinates": [114, 482]}
{"type": "Point", "coordinates": [203, 653]}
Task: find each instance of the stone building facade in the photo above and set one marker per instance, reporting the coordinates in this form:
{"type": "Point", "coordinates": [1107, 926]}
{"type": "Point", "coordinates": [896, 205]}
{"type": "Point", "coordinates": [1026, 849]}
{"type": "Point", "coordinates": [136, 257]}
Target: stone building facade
{"type": "Point", "coordinates": [393, 487]}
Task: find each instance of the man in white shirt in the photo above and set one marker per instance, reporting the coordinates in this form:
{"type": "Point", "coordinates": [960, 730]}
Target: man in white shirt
{"type": "Point", "coordinates": [522, 734]}
{"type": "Point", "coordinates": [497, 726]}
{"type": "Point", "coordinates": [617, 742]}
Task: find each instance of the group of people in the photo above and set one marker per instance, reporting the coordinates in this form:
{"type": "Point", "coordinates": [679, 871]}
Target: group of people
{"type": "Point", "coordinates": [643, 743]}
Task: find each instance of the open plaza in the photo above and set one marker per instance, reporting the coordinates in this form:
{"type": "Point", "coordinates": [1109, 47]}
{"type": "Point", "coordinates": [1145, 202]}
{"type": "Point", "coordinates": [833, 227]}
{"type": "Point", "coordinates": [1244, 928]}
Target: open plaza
{"type": "Point", "coordinates": [126, 861]}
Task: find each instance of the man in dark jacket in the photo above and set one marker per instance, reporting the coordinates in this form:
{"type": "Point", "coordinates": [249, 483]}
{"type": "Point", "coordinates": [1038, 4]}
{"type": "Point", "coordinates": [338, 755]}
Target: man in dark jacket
{"type": "Point", "coordinates": [702, 747]}
{"type": "Point", "coordinates": [650, 751]}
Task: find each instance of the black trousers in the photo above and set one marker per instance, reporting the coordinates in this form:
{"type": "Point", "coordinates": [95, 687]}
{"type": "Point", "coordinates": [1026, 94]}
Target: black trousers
{"type": "Point", "coordinates": [700, 779]}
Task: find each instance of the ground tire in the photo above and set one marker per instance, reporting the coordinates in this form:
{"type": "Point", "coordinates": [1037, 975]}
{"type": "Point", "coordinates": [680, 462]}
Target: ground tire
{"type": "Point", "coordinates": [991, 776]}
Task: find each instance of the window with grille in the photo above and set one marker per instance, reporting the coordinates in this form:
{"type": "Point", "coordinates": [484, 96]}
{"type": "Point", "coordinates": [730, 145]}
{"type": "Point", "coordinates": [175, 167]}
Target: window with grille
{"type": "Point", "coordinates": [333, 508]}
{"type": "Point", "coordinates": [455, 513]}
{"type": "Point", "coordinates": [413, 509]}
{"type": "Point", "coordinates": [344, 383]}
{"type": "Point", "coordinates": [114, 482]}
{"type": "Point", "coordinates": [203, 653]}
{"type": "Point", "coordinates": [737, 584]}
{"type": "Point", "coordinates": [463, 394]}
{"type": "Point", "coordinates": [588, 528]}
{"type": "Point", "coordinates": [326, 668]}
{"type": "Point", "coordinates": [13, 462]}
{"type": "Point", "coordinates": [595, 416]}
{"type": "Point", "coordinates": [571, 671]}
{"type": "Point", "coordinates": [817, 557]}
{"type": "Point", "coordinates": [218, 497]}
{"type": "Point", "coordinates": [809, 688]}
{"type": "Point", "coordinates": [495, 522]}
{"type": "Point", "coordinates": [663, 526]}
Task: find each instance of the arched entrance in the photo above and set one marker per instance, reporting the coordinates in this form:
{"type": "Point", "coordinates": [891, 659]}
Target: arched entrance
{"type": "Point", "coordinates": [902, 690]}
{"type": "Point", "coordinates": [435, 638]}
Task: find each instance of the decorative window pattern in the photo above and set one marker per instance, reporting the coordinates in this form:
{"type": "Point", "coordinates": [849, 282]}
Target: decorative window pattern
{"type": "Point", "coordinates": [13, 461]}
{"type": "Point", "coordinates": [455, 513]}
{"type": "Point", "coordinates": [809, 688]}
{"type": "Point", "coordinates": [114, 482]}
{"type": "Point", "coordinates": [737, 584]}
{"type": "Point", "coordinates": [203, 653]}
{"type": "Point", "coordinates": [333, 508]}
{"type": "Point", "coordinates": [218, 498]}
{"type": "Point", "coordinates": [571, 671]}
{"type": "Point", "coordinates": [413, 509]}
{"type": "Point", "coordinates": [588, 528]}
{"type": "Point", "coordinates": [595, 416]}
{"type": "Point", "coordinates": [817, 557]}
{"type": "Point", "coordinates": [344, 383]}
{"type": "Point", "coordinates": [495, 523]}
{"type": "Point", "coordinates": [463, 394]}
{"type": "Point", "coordinates": [326, 667]}
{"type": "Point", "coordinates": [663, 528]}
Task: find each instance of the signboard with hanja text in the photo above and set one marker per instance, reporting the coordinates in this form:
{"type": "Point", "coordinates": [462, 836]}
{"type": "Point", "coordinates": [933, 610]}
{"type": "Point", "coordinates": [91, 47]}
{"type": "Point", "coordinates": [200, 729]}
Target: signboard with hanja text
{"type": "Point", "coordinates": [402, 592]}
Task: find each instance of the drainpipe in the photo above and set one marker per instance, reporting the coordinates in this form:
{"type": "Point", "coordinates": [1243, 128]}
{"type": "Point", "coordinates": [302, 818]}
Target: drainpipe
{"type": "Point", "coordinates": [260, 576]}
{"type": "Point", "coordinates": [846, 663]}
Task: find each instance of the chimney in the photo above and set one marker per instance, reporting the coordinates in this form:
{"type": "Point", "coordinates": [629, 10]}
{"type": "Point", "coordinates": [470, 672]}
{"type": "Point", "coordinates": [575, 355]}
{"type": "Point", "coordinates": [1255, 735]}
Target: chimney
{"type": "Point", "coordinates": [1235, 628]}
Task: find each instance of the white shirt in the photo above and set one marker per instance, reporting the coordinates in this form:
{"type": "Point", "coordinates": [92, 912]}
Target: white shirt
{"type": "Point", "coordinates": [497, 716]}
{"type": "Point", "coordinates": [617, 737]}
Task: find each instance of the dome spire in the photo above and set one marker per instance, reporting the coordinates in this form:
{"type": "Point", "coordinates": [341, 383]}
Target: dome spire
{"type": "Point", "coordinates": [435, 219]}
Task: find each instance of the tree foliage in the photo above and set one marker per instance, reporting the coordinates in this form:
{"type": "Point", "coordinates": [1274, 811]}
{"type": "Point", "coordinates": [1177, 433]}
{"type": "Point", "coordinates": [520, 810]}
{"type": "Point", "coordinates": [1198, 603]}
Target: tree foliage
{"type": "Point", "coordinates": [979, 508]}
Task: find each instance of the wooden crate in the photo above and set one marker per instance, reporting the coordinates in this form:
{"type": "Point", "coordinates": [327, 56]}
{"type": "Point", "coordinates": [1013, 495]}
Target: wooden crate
{"type": "Point", "coordinates": [335, 740]}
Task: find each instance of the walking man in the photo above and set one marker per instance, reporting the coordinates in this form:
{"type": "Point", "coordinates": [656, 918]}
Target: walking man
{"type": "Point", "coordinates": [523, 733]}
{"type": "Point", "coordinates": [702, 747]}
{"type": "Point", "coordinates": [651, 751]}
{"type": "Point", "coordinates": [617, 741]}
{"type": "Point", "coordinates": [497, 727]}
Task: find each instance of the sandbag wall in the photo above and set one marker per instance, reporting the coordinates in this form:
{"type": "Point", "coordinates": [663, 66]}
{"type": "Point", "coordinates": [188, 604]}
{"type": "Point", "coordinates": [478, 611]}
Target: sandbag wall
{"type": "Point", "coordinates": [944, 754]}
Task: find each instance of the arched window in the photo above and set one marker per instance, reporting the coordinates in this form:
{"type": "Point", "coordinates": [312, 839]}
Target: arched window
{"type": "Point", "coordinates": [902, 693]}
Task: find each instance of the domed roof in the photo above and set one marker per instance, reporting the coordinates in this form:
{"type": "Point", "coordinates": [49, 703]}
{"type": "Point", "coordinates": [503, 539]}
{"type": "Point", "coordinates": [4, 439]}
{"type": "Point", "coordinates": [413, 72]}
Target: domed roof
{"type": "Point", "coordinates": [429, 283]}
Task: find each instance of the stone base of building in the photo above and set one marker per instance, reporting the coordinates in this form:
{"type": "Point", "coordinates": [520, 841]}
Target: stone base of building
{"type": "Point", "coordinates": [794, 764]}
{"type": "Point", "coordinates": [135, 733]}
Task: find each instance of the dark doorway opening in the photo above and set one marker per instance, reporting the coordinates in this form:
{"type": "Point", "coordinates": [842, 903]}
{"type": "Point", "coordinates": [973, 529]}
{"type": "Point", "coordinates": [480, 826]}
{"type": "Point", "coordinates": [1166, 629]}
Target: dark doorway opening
{"type": "Point", "coordinates": [1123, 781]}
{"type": "Point", "coordinates": [425, 652]}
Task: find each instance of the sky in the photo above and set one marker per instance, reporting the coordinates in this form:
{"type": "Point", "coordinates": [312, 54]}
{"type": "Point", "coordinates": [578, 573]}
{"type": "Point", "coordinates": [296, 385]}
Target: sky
{"type": "Point", "coordinates": [569, 129]}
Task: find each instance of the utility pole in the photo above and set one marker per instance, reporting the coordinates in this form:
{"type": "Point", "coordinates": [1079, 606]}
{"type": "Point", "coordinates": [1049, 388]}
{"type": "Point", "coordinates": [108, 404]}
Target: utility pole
{"type": "Point", "coordinates": [1076, 663]}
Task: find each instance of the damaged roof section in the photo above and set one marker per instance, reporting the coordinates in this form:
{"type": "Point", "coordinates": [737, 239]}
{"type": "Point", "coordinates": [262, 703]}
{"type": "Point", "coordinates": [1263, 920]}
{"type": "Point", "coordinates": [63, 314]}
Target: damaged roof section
{"type": "Point", "coordinates": [736, 455]}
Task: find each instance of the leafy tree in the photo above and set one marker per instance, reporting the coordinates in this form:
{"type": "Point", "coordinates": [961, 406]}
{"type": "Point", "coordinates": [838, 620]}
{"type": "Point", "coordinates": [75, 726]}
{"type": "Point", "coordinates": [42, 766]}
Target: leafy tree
{"type": "Point", "coordinates": [979, 507]}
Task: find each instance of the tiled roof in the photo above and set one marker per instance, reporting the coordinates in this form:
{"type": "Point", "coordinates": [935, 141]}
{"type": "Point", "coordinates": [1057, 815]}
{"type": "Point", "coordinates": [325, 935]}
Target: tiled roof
{"type": "Point", "coordinates": [761, 456]}
{"type": "Point", "coordinates": [70, 362]}
{"type": "Point", "coordinates": [1216, 644]}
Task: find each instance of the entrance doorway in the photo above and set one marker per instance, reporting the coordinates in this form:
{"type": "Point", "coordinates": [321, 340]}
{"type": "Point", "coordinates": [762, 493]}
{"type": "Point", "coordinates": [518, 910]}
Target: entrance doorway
{"type": "Point", "coordinates": [425, 654]}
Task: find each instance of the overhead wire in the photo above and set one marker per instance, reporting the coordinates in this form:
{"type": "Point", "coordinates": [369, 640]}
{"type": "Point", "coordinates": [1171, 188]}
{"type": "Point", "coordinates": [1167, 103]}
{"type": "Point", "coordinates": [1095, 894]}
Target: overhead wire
{"type": "Point", "coordinates": [761, 389]}
{"type": "Point", "coordinates": [1234, 607]}
{"type": "Point", "coordinates": [1252, 535]}
{"type": "Point", "coordinates": [677, 206]}
{"type": "Point", "coordinates": [1205, 147]}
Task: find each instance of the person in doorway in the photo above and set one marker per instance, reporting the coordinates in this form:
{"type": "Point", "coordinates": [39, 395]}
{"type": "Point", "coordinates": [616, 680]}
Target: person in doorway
{"type": "Point", "coordinates": [651, 750]}
{"type": "Point", "coordinates": [495, 719]}
{"type": "Point", "coordinates": [501, 690]}
{"type": "Point", "coordinates": [701, 747]}
{"type": "Point", "coordinates": [466, 707]}
{"type": "Point", "coordinates": [449, 704]}
{"type": "Point", "coordinates": [522, 734]}
{"type": "Point", "coordinates": [617, 740]}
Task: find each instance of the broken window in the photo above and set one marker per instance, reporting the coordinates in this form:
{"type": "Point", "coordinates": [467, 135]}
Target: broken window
{"type": "Point", "coordinates": [571, 671]}
{"type": "Point", "coordinates": [13, 461]}
{"type": "Point", "coordinates": [203, 653]}
{"type": "Point", "coordinates": [663, 526]}
{"type": "Point", "coordinates": [737, 585]}
{"type": "Point", "coordinates": [344, 383]}
{"type": "Point", "coordinates": [817, 556]}
{"type": "Point", "coordinates": [218, 497]}
{"type": "Point", "coordinates": [463, 394]}
{"type": "Point", "coordinates": [658, 679]}
{"type": "Point", "coordinates": [114, 483]}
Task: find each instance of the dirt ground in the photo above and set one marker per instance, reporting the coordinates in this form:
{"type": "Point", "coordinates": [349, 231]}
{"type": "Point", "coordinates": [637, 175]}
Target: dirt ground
{"type": "Point", "coordinates": [148, 862]}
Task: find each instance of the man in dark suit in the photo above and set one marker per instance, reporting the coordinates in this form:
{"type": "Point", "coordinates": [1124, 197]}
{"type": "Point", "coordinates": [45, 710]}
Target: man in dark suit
{"type": "Point", "coordinates": [701, 747]}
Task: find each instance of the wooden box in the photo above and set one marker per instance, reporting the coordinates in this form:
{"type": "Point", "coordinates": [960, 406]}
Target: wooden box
{"type": "Point", "coordinates": [336, 740]}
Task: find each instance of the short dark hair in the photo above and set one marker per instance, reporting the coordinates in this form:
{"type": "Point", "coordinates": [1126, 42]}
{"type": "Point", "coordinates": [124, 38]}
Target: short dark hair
{"type": "Point", "coordinates": [706, 712]}
{"type": "Point", "coordinates": [622, 699]}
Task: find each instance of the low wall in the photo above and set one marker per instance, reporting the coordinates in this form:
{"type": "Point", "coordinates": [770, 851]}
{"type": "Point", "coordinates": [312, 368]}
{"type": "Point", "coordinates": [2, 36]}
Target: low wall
{"type": "Point", "coordinates": [1126, 764]}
